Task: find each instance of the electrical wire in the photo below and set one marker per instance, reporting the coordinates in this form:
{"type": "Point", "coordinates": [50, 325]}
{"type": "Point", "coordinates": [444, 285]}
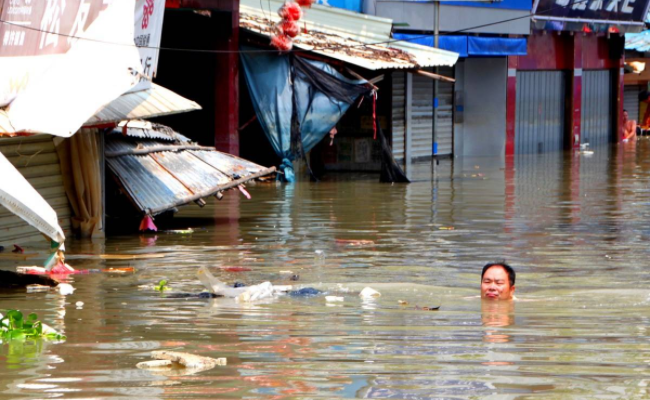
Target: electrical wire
{"type": "Point", "coordinates": [385, 42]}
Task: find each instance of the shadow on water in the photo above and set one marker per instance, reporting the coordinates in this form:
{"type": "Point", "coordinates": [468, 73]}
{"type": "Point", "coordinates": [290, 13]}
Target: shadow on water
{"type": "Point", "coordinates": [573, 225]}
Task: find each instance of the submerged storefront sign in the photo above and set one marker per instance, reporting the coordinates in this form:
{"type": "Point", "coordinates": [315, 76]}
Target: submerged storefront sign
{"type": "Point", "coordinates": [597, 10]}
{"type": "Point", "coordinates": [35, 34]}
{"type": "Point", "coordinates": [65, 60]}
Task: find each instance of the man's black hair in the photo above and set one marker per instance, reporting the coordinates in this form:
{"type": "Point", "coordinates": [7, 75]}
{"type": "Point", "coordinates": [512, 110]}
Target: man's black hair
{"type": "Point", "coordinates": [511, 272]}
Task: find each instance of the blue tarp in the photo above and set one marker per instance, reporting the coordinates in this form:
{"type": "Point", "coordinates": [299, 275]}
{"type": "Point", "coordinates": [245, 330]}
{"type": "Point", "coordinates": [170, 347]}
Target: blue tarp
{"type": "Point", "coordinates": [467, 46]}
{"type": "Point", "coordinates": [490, 46]}
{"type": "Point", "coordinates": [352, 5]}
{"type": "Point", "coordinates": [269, 80]}
{"type": "Point", "coordinates": [457, 44]}
{"type": "Point", "coordinates": [526, 5]}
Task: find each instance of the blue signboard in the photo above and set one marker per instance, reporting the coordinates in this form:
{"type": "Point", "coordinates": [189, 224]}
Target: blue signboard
{"type": "Point", "coordinates": [352, 5]}
{"type": "Point", "coordinates": [506, 4]}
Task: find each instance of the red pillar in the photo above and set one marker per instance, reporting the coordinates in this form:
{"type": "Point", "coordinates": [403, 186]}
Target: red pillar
{"type": "Point", "coordinates": [226, 105]}
{"type": "Point", "coordinates": [511, 104]}
{"type": "Point", "coordinates": [619, 98]}
{"type": "Point", "coordinates": [576, 92]}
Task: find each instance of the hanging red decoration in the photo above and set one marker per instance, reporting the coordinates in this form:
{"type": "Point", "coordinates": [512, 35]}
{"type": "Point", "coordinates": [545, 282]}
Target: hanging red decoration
{"type": "Point", "coordinates": [305, 3]}
{"type": "Point", "coordinates": [290, 11]}
{"type": "Point", "coordinates": [289, 28]}
{"type": "Point", "coordinates": [281, 42]}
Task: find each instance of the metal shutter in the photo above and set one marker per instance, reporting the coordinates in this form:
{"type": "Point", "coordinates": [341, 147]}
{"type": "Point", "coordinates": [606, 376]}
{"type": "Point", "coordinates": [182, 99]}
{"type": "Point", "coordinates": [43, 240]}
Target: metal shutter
{"type": "Point", "coordinates": [36, 158]}
{"type": "Point", "coordinates": [422, 116]}
{"type": "Point", "coordinates": [445, 122]}
{"type": "Point", "coordinates": [399, 109]}
{"type": "Point", "coordinates": [596, 122]}
{"type": "Point", "coordinates": [539, 124]}
{"type": "Point", "coordinates": [631, 101]}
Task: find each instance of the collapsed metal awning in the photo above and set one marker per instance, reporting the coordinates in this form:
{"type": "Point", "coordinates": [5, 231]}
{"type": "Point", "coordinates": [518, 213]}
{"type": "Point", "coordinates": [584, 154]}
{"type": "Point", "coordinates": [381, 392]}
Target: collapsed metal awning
{"type": "Point", "coordinates": [169, 171]}
{"type": "Point", "coordinates": [351, 37]}
{"type": "Point", "coordinates": [19, 197]}
{"type": "Point", "coordinates": [153, 102]}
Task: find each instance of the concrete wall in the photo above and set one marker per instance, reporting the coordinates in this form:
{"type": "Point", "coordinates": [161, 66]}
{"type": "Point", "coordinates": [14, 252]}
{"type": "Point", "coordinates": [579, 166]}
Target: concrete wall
{"type": "Point", "coordinates": [483, 129]}
{"type": "Point", "coordinates": [420, 17]}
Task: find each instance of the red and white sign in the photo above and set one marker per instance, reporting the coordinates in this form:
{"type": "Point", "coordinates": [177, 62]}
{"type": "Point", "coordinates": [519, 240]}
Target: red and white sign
{"type": "Point", "coordinates": [38, 32]}
{"type": "Point", "coordinates": [148, 28]}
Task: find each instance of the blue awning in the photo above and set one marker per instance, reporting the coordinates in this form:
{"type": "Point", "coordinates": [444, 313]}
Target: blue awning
{"type": "Point", "coordinates": [467, 46]}
{"type": "Point", "coordinates": [489, 46]}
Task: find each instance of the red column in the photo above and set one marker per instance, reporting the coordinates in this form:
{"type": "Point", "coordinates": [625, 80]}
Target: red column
{"type": "Point", "coordinates": [511, 104]}
{"type": "Point", "coordinates": [576, 92]}
{"type": "Point", "coordinates": [226, 105]}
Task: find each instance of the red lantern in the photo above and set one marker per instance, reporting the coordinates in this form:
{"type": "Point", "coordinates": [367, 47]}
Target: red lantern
{"type": "Point", "coordinates": [289, 28]}
{"type": "Point", "coordinates": [305, 3]}
{"type": "Point", "coordinates": [290, 11]}
{"type": "Point", "coordinates": [281, 42]}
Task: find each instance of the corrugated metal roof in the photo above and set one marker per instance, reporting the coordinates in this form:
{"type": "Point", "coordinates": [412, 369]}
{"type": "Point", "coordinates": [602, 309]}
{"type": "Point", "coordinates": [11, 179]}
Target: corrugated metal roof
{"type": "Point", "coordinates": [638, 41]}
{"type": "Point", "coordinates": [147, 130]}
{"type": "Point", "coordinates": [148, 103]}
{"type": "Point", "coordinates": [227, 163]}
{"type": "Point", "coordinates": [351, 37]}
{"type": "Point", "coordinates": [153, 102]}
{"type": "Point", "coordinates": [160, 180]}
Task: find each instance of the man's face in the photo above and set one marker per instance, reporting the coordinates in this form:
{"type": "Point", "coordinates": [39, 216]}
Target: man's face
{"type": "Point", "coordinates": [496, 285]}
{"type": "Point", "coordinates": [625, 115]}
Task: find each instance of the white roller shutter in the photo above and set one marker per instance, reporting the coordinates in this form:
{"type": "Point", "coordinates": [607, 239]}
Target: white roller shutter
{"type": "Point", "coordinates": [445, 122]}
{"type": "Point", "coordinates": [398, 114]}
{"type": "Point", "coordinates": [631, 101]}
{"type": "Point", "coordinates": [422, 117]}
{"type": "Point", "coordinates": [539, 124]}
{"type": "Point", "coordinates": [596, 123]}
{"type": "Point", "coordinates": [36, 158]}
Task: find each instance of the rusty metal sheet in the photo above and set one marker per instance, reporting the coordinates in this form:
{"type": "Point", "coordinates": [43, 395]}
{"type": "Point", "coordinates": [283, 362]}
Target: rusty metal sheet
{"type": "Point", "coordinates": [147, 183]}
{"type": "Point", "coordinates": [354, 38]}
{"type": "Point", "coordinates": [191, 171]}
{"type": "Point", "coordinates": [227, 163]}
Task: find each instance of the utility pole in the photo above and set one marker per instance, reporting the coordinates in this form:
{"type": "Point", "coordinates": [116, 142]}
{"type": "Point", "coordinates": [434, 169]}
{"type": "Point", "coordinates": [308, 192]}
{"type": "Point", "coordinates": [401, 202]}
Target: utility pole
{"type": "Point", "coordinates": [436, 44]}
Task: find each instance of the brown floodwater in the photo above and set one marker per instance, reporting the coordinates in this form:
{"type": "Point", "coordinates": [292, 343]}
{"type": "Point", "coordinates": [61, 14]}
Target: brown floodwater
{"type": "Point", "coordinates": [575, 227]}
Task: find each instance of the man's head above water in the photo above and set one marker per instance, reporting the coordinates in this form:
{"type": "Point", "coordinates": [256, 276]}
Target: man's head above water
{"type": "Point", "coordinates": [497, 281]}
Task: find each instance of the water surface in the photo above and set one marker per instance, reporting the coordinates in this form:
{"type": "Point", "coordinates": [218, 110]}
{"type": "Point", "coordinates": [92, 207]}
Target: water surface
{"type": "Point", "coordinates": [575, 227]}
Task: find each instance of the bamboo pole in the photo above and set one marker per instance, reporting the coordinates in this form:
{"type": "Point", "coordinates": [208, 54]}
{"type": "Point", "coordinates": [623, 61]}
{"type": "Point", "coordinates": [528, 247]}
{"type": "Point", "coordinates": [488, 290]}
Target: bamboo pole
{"type": "Point", "coordinates": [206, 193]}
{"type": "Point", "coordinates": [155, 149]}
{"type": "Point", "coordinates": [434, 76]}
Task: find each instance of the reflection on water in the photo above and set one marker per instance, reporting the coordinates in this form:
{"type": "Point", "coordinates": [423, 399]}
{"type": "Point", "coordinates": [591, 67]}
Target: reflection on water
{"type": "Point", "coordinates": [573, 226]}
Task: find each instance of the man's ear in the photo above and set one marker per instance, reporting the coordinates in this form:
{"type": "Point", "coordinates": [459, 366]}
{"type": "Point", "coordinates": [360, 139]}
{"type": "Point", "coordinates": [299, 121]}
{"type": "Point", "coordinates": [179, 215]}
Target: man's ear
{"type": "Point", "coordinates": [512, 289]}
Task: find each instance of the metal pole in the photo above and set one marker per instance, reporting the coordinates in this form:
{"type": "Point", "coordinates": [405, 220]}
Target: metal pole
{"type": "Point", "coordinates": [436, 34]}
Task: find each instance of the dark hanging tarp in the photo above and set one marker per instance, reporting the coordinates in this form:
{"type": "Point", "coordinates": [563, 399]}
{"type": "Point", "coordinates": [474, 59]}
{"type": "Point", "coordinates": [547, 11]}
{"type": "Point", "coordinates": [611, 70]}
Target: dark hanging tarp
{"type": "Point", "coordinates": [298, 101]}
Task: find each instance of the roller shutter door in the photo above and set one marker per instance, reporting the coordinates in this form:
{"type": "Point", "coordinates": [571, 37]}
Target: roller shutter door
{"type": "Point", "coordinates": [398, 117]}
{"type": "Point", "coordinates": [422, 117]}
{"type": "Point", "coordinates": [631, 101]}
{"type": "Point", "coordinates": [36, 158]}
{"type": "Point", "coordinates": [596, 120]}
{"type": "Point", "coordinates": [422, 108]}
{"type": "Point", "coordinates": [539, 124]}
{"type": "Point", "coordinates": [445, 123]}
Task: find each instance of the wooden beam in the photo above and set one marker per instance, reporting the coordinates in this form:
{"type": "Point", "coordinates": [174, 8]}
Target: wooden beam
{"type": "Point", "coordinates": [155, 149]}
{"type": "Point", "coordinates": [209, 192]}
{"type": "Point", "coordinates": [351, 72]}
{"type": "Point", "coordinates": [434, 76]}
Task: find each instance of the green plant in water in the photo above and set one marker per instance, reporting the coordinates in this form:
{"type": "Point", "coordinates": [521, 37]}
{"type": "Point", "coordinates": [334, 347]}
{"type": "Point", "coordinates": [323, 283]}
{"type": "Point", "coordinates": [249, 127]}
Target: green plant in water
{"type": "Point", "coordinates": [14, 326]}
{"type": "Point", "coordinates": [162, 286]}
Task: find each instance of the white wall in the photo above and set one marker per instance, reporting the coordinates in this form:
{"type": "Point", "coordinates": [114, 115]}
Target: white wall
{"type": "Point", "coordinates": [483, 131]}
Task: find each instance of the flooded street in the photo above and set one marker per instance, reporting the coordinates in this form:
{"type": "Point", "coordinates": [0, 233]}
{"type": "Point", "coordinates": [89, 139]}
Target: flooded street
{"type": "Point", "coordinates": [575, 228]}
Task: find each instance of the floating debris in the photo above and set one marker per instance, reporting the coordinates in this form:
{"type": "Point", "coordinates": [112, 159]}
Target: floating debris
{"type": "Point", "coordinates": [369, 292]}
